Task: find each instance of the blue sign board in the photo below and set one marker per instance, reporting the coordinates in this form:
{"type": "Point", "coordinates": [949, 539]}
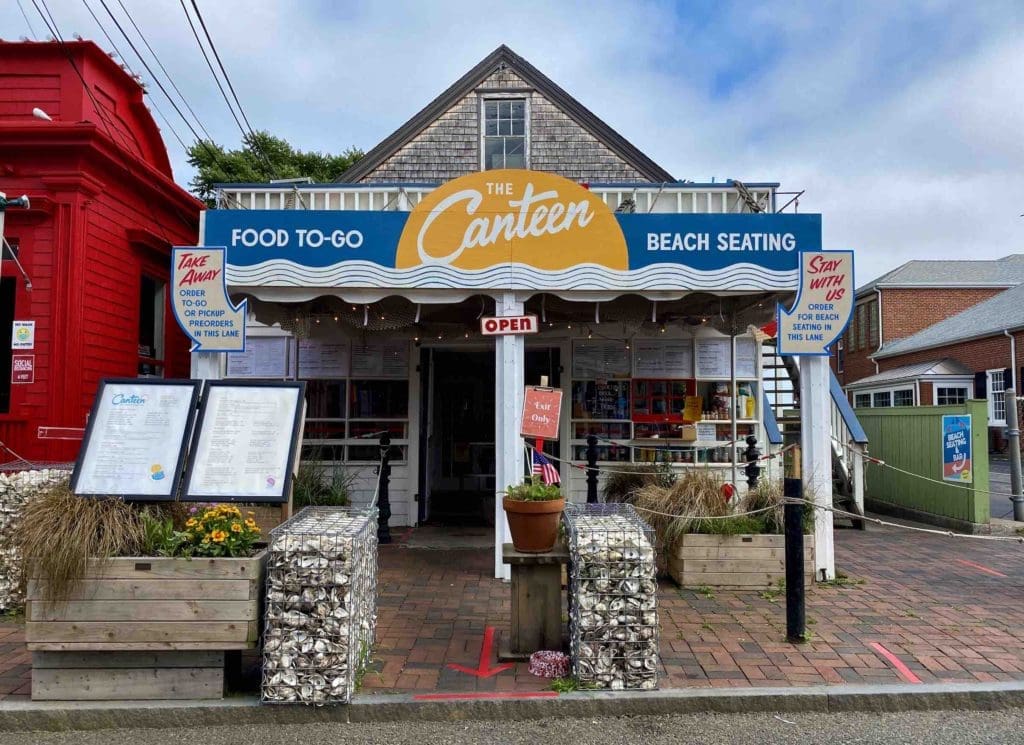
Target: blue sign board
{"type": "Point", "coordinates": [956, 448]}
{"type": "Point", "coordinates": [513, 229]}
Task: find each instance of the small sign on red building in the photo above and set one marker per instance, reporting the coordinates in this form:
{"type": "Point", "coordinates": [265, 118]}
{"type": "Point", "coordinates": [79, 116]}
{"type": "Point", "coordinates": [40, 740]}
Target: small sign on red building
{"type": "Point", "coordinates": [541, 410]}
{"type": "Point", "coordinates": [508, 325]}
{"type": "Point", "coordinates": [23, 368]}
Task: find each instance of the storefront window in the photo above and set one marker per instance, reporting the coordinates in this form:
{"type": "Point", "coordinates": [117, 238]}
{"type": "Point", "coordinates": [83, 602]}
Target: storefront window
{"type": "Point", "coordinates": [346, 416]}
{"type": "Point", "coordinates": [504, 144]}
{"type": "Point", "coordinates": [673, 416]}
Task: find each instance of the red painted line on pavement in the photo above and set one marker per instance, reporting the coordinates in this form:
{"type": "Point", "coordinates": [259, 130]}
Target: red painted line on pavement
{"type": "Point", "coordinates": [483, 670]}
{"type": "Point", "coordinates": [980, 568]}
{"type": "Point", "coordinates": [474, 696]}
{"type": "Point", "coordinates": [905, 672]}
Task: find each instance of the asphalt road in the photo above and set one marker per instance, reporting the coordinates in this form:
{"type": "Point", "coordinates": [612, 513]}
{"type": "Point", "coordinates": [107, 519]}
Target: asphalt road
{"type": "Point", "coordinates": [999, 481]}
{"type": "Point", "coordinates": [911, 728]}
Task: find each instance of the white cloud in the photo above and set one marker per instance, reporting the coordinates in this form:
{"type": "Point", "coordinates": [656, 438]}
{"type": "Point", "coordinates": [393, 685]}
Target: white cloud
{"type": "Point", "coordinates": [902, 123]}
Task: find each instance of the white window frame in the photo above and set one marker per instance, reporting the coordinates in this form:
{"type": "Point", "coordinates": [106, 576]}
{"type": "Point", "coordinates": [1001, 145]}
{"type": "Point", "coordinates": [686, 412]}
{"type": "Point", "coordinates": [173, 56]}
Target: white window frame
{"type": "Point", "coordinates": [891, 390]}
{"type": "Point", "coordinates": [861, 393]}
{"type": "Point", "coordinates": [950, 386]}
{"type": "Point", "coordinates": [990, 395]}
{"type": "Point", "coordinates": [525, 98]}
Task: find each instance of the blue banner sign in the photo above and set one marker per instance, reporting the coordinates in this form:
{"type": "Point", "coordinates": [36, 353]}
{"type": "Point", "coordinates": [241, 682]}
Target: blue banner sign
{"type": "Point", "coordinates": [513, 230]}
{"type": "Point", "coordinates": [956, 448]}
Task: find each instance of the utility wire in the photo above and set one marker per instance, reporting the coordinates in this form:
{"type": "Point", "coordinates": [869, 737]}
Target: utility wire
{"type": "Point", "coordinates": [51, 24]}
{"type": "Point", "coordinates": [128, 67]}
{"type": "Point", "coordinates": [256, 146]}
{"type": "Point", "coordinates": [205, 144]}
{"type": "Point", "coordinates": [220, 64]}
{"type": "Point", "coordinates": [170, 78]}
{"type": "Point", "coordinates": [27, 21]}
{"type": "Point", "coordinates": [213, 72]}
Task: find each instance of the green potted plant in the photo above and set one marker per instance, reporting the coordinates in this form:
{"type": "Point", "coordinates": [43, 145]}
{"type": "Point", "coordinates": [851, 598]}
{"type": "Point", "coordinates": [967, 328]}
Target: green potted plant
{"type": "Point", "coordinates": [534, 510]}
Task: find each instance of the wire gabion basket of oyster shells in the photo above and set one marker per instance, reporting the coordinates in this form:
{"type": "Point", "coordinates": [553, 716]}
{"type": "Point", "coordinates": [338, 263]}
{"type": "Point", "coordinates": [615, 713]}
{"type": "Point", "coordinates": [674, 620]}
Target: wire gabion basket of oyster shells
{"type": "Point", "coordinates": [613, 592]}
{"type": "Point", "coordinates": [321, 608]}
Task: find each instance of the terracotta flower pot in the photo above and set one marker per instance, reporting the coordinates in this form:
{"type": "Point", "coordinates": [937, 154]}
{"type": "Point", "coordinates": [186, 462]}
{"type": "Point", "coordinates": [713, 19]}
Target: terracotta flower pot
{"type": "Point", "coordinates": [534, 525]}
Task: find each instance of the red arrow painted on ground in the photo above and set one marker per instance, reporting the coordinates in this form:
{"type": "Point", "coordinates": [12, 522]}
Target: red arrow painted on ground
{"type": "Point", "coordinates": [484, 670]}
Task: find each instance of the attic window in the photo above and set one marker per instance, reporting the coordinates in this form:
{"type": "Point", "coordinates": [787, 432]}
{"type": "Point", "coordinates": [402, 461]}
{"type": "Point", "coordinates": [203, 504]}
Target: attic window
{"type": "Point", "coordinates": [504, 140]}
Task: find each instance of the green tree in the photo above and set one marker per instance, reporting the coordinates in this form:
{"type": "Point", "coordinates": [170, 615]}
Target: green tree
{"type": "Point", "coordinates": [261, 158]}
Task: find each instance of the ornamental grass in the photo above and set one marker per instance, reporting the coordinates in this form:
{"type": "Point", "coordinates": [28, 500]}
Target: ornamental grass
{"type": "Point", "coordinates": [61, 533]}
{"type": "Point", "coordinates": [623, 481]}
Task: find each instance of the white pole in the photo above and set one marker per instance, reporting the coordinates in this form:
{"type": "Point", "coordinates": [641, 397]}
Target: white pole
{"type": "Point", "coordinates": [815, 435]}
{"type": "Point", "coordinates": [509, 356]}
{"type": "Point", "coordinates": [734, 398]}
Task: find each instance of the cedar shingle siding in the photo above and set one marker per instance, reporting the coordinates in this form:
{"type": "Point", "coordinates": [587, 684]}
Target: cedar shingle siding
{"type": "Point", "coordinates": [450, 146]}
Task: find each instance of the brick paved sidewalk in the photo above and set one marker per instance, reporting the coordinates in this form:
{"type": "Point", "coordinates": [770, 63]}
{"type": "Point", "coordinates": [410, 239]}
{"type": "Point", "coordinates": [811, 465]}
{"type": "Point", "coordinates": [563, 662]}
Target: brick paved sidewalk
{"type": "Point", "coordinates": [941, 609]}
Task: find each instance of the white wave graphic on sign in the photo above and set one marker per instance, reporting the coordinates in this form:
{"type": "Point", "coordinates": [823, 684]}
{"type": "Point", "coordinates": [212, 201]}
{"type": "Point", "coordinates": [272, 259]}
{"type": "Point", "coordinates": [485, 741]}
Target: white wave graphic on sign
{"type": "Point", "coordinates": [284, 273]}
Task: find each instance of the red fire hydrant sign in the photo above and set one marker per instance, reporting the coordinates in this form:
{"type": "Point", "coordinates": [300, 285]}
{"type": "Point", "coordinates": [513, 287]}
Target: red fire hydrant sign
{"type": "Point", "coordinates": [541, 410]}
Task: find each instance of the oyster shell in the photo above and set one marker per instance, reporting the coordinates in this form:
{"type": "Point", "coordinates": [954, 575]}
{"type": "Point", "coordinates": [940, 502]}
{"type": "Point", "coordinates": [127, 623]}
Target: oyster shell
{"type": "Point", "coordinates": [321, 605]}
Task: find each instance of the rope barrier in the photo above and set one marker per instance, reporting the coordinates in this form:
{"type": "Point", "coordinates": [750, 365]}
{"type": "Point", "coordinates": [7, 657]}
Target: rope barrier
{"type": "Point", "coordinates": [584, 467]}
{"type": "Point", "coordinates": [669, 448]}
{"type": "Point", "coordinates": [882, 463]}
{"type": "Point", "coordinates": [697, 518]}
{"type": "Point", "coordinates": [887, 523]}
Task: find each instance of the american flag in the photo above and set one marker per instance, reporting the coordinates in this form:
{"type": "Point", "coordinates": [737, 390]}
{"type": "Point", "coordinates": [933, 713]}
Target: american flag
{"type": "Point", "coordinates": [545, 469]}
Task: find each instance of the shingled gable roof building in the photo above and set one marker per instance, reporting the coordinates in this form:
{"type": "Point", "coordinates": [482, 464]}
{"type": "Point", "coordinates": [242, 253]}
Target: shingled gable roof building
{"type": "Point", "coordinates": [505, 196]}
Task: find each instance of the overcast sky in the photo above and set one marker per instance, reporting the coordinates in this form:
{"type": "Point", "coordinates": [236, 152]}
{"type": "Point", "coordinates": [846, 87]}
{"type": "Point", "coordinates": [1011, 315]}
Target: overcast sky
{"type": "Point", "coordinates": [903, 121]}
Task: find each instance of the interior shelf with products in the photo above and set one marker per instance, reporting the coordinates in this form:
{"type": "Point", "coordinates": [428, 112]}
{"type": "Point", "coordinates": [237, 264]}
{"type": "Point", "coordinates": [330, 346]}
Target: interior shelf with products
{"type": "Point", "coordinates": [679, 406]}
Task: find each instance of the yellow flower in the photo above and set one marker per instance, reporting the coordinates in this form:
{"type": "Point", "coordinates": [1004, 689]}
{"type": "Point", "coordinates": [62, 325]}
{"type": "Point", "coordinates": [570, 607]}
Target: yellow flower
{"type": "Point", "coordinates": [218, 536]}
{"type": "Point", "coordinates": [191, 522]}
{"type": "Point", "coordinates": [251, 524]}
{"type": "Point", "coordinates": [236, 528]}
{"type": "Point", "coordinates": [251, 514]}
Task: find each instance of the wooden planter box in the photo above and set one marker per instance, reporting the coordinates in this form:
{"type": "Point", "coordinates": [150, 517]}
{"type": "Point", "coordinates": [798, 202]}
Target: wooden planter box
{"type": "Point", "coordinates": [143, 628]}
{"type": "Point", "coordinates": [734, 561]}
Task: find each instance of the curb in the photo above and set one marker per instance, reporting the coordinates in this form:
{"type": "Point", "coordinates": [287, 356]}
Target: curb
{"type": "Point", "coordinates": [63, 716]}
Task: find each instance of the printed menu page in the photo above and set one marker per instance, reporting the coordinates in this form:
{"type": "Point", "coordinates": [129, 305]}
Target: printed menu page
{"type": "Point", "coordinates": [134, 442]}
{"type": "Point", "coordinates": [321, 359]}
{"type": "Point", "coordinates": [663, 358]}
{"type": "Point", "coordinates": [380, 360]}
{"type": "Point", "coordinates": [713, 357]}
{"type": "Point", "coordinates": [746, 357]}
{"type": "Point", "coordinates": [243, 451]}
{"type": "Point", "coordinates": [599, 360]}
{"type": "Point", "coordinates": [264, 357]}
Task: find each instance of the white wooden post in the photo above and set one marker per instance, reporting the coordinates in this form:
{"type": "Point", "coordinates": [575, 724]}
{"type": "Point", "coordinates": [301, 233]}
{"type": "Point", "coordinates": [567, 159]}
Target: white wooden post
{"type": "Point", "coordinates": [816, 444]}
{"type": "Point", "coordinates": [206, 365]}
{"type": "Point", "coordinates": [858, 477]}
{"type": "Point", "coordinates": [510, 357]}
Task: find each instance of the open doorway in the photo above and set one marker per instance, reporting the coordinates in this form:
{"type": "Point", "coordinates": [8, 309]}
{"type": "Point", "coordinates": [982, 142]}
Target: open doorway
{"type": "Point", "coordinates": [457, 437]}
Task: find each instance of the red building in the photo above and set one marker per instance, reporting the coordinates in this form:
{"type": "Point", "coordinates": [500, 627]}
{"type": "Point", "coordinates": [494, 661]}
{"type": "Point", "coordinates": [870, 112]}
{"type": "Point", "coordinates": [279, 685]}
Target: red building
{"type": "Point", "coordinates": [94, 245]}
